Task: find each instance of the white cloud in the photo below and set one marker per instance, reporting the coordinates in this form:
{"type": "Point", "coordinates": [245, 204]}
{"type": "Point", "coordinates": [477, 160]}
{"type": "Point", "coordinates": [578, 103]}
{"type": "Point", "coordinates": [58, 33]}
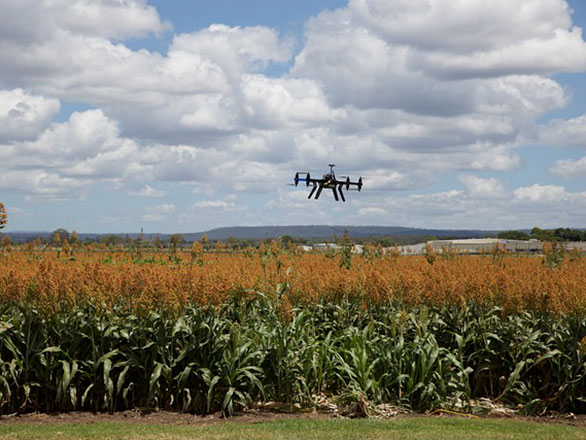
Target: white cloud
{"type": "Point", "coordinates": [157, 213]}
{"type": "Point", "coordinates": [235, 49]}
{"type": "Point", "coordinates": [478, 38]}
{"type": "Point", "coordinates": [559, 132]}
{"type": "Point", "coordinates": [23, 116]}
{"type": "Point", "coordinates": [43, 185]}
{"type": "Point", "coordinates": [568, 168]}
{"type": "Point", "coordinates": [149, 191]}
{"type": "Point", "coordinates": [535, 205]}
{"type": "Point", "coordinates": [15, 210]}
{"type": "Point", "coordinates": [399, 92]}
{"type": "Point", "coordinates": [215, 204]}
{"type": "Point", "coordinates": [541, 193]}
{"type": "Point", "coordinates": [483, 188]}
{"type": "Point", "coordinates": [27, 21]}
{"type": "Point", "coordinates": [275, 103]}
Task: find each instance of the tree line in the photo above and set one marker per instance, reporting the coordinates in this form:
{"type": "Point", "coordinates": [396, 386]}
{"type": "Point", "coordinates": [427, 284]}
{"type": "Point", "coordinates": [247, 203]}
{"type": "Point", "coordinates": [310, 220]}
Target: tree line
{"type": "Point", "coordinates": [558, 234]}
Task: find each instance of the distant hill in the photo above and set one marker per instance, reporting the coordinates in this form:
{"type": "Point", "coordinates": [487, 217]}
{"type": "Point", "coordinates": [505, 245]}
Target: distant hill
{"type": "Point", "coordinates": [312, 232]}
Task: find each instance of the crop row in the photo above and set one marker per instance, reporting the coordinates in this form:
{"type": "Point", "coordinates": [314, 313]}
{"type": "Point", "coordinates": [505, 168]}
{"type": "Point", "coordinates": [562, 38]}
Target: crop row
{"type": "Point", "coordinates": [225, 358]}
{"type": "Point", "coordinates": [514, 283]}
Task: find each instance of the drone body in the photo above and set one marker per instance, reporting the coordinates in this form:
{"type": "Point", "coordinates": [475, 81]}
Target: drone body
{"type": "Point", "coordinates": [328, 181]}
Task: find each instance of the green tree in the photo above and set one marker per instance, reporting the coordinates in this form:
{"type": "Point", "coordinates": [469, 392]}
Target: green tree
{"type": "Point", "coordinates": [175, 241]}
{"type": "Point", "coordinates": [542, 234]}
{"type": "Point", "coordinates": [63, 234]}
{"type": "Point", "coordinates": [514, 235]}
{"type": "Point", "coordinates": [111, 240]}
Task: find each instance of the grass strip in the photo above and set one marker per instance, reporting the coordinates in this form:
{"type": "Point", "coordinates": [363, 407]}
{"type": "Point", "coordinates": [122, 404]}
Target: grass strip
{"type": "Point", "coordinates": [416, 428]}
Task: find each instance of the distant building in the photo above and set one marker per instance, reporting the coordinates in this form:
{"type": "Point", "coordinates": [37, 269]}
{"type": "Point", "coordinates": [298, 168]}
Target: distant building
{"type": "Point", "coordinates": [460, 246]}
{"type": "Point", "coordinates": [324, 246]}
{"type": "Point", "coordinates": [483, 245]}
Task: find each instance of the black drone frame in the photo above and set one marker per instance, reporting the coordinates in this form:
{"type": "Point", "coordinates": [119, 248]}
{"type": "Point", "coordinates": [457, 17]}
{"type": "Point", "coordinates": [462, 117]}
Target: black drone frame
{"type": "Point", "coordinates": [328, 181]}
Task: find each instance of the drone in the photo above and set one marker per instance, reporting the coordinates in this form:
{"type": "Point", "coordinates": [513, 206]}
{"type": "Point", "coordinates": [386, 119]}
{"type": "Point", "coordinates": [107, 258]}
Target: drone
{"type": "Point", "coordinates": [327, 181]}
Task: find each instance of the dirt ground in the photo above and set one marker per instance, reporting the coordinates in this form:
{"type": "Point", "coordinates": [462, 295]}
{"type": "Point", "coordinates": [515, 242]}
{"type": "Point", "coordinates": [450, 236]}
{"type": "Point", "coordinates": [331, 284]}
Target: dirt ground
{"type": "Point", "coordinates": [156, 417]}
{"type": "Point", "coordinates": [251, 416]}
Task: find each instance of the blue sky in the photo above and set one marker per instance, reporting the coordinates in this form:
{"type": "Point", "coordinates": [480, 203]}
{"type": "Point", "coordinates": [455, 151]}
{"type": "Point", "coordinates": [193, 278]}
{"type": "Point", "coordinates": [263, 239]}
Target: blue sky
{"type": "Point", "coordinates": [183, 116]}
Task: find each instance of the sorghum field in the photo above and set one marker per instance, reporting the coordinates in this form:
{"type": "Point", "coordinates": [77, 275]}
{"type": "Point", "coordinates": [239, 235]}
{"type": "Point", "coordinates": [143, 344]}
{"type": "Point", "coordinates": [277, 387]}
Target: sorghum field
{"type": "Point", "coordinates": [106, 329]}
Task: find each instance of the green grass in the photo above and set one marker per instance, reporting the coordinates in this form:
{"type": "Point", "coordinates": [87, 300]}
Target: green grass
{"type": "Point", "coordinates": [400, 428]}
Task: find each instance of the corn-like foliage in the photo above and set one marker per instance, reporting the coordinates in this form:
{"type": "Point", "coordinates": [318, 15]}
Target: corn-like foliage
{"type": "Point", "coordinates": [111, 330]}
{"type": "Point", "coordinates": [223, 359]}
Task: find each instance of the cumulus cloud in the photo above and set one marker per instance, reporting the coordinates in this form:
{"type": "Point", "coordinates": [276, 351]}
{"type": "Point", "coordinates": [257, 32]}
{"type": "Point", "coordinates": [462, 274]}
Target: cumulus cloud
{"type": "Point", "coordinates": [478, 38]}
{"type": "Point", "coordinates": [215, 204]}
{"type": "Point", "coordinates": [568, 168]}
{"type": "Point", "coordinates": [28, 21]}
{"type": "Point", "coordinates": [149, 191]}
{"type": "Point", "coordinates": [565, 132]}
{"type": "Point", "coordinates": [23, 116]}
{"type": "Point", "coordinates": [541, 193]}
{"type": "Point", "coordinates": [41, 185]}
{"type": "Point", "coordinates": [484, 188]}
{"type": "Point", "coordinates": [235, 49]}
{"type": "Point", "coordinates": [399, 92]}
{"type": "Point", "coordinates": [157, 213]}
{"type": "Point", "coordinates": [534, 205]}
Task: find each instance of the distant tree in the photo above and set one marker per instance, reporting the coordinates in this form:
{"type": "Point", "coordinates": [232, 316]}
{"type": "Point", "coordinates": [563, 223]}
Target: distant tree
{"type": "Point", "coordinates": [542, 234]}
{"type": "Point", "coordinates": [387, 241]}
{"type": "Point", "coordinates": [514, 235]}
{"type": "Point", "coordinates": [233, 242]}
{"type": "Point", "coordinates": [63, 234]}
{"type": "Point", "coordinates": [111, 239]}
{"type": "Point", "coordinates": [287, 240]}
{"type": "Point", "coordinates": [176, 239]}
{"type": "Point", "coordinates": [567, 234]}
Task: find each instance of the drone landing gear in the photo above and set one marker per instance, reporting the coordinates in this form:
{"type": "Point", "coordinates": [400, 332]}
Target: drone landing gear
{"type": "Point", "coordinates": [341, 193]}
{"type": "Point", "coordinates": [335, 193]}
{"type": "Point", "coordinates": [319, 190]}
{"type": "Point", "coordinates": [312, 191]}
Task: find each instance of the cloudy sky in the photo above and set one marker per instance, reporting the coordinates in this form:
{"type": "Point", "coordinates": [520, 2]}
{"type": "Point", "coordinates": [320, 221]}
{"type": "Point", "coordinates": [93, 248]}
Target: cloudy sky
{"type": "Point", "coordinates": [117, 115]}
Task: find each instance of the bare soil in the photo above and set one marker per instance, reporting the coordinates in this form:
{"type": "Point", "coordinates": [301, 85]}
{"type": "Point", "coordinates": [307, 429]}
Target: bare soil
{"type": "Point", "coordinates": [250, 416]}
{"type": "Point", "coordinates": [155, 417]}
